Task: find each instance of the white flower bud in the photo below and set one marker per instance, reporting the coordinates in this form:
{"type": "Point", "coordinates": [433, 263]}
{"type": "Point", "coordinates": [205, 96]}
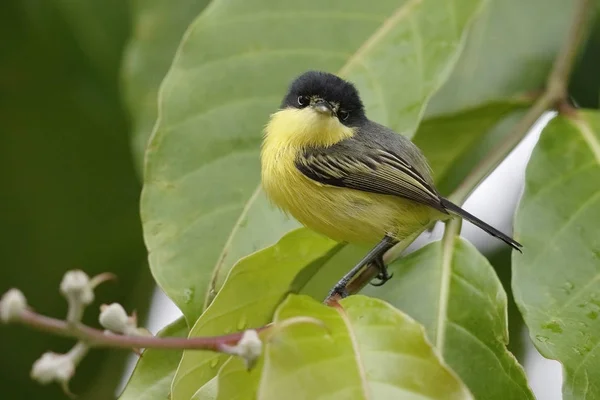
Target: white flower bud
{"type": "Point", "coordinates": [52, 367]}
{"type": "Point", "coordinates": [76, 287]}
{"type": "Point", "coordinates": [249, 347]}
{"type": "Point", "coordinates": [12, 305]}
{"type": "Point", "coordinates": [114, 318]}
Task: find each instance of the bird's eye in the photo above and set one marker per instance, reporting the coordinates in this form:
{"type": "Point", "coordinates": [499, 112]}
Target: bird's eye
{"type": "Point", "coordinates": [343, 115]}
{"type": "Point", "coordinates": [303, 101]}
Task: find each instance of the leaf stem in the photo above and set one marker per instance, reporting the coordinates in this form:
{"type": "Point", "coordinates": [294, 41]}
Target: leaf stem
{"type": "Point", "coordinates": [552, 97]}
{"type": "Point", "coordinates": [97, 338]}
{"type": "Point", "coordinates": [451, 231]}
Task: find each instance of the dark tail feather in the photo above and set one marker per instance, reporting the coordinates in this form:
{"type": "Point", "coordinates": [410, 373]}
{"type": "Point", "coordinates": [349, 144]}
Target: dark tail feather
{"type": "Point", "coordinates": [453, 208]}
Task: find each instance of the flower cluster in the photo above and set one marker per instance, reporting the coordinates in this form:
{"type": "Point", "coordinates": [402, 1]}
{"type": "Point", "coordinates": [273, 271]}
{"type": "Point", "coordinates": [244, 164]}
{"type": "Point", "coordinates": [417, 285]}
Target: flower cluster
{"type": "Point", "coordinates": [120, 330]}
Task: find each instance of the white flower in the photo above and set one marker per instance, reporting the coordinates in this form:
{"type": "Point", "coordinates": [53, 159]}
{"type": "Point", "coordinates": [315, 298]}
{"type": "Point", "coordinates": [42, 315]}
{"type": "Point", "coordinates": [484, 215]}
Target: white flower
{"type": "Point", "coordinates": [76, 286]}
{"type": "Point", "coordinates": [249, 347]}
{"type": "Point", "coordinates": [53, 367]}
{"type": "Point", "coordinates": [114, 318]}
{"type": "Point", "coordinates": [12, 305]}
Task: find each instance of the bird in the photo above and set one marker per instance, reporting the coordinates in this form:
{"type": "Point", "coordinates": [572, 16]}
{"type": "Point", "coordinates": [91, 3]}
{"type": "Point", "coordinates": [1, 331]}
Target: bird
{"type": "Point", "coordinates": [325, 163]}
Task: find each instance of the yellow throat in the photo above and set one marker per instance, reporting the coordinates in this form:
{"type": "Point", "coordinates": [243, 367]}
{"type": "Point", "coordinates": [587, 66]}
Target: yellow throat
{"type": "Point", "coordinates": [302, 128]}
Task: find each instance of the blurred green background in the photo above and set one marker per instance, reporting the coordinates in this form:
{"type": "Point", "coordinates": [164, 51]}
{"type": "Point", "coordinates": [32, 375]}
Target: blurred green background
{"type": "Point", "coordinates": [69, 190]}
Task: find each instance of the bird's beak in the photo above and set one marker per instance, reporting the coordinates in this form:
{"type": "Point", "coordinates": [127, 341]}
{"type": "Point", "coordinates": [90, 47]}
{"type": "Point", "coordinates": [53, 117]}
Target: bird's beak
{"type": "Point", "coordinates": [323, 107]}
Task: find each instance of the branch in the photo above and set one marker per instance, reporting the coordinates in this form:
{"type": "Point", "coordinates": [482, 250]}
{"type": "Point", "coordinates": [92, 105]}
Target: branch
{"type": "Point", "coordinates": [98, 338]}
{"type": "Point", "coordinates": [554, 96]}
{"type": "Point", "coordinates": [121, 331]}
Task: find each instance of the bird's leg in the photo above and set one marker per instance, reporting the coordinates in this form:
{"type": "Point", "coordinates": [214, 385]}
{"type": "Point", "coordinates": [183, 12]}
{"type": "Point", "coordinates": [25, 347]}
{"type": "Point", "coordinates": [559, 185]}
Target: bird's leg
{"type": "Point", "coordinates": [374, 256]}
{"type": "Point", "coordinates": [383, 275]}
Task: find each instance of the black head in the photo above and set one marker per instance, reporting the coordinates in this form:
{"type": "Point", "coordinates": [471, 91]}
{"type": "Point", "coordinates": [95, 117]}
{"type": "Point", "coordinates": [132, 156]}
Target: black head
{"type": "Point", "coordinates": [328, 94]}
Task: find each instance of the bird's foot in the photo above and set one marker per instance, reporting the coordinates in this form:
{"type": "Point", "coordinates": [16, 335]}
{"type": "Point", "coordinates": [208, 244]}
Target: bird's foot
{"type": "Point", "coordinates": [383, 276]}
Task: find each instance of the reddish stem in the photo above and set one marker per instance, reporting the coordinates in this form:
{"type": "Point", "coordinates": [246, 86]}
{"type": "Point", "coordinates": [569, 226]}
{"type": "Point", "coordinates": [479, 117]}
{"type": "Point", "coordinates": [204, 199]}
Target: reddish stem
{"type": "Point", "coordinates": [97, 338]}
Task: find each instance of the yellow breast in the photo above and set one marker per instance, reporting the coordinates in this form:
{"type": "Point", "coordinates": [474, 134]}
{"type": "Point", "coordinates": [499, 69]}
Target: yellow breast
{"type": "Point", "coordinates": [339, 213]}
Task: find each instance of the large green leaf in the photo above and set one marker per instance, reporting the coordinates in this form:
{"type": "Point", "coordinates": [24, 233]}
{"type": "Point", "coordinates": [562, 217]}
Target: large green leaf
{"type": "Point", "coordinates": [158, 26]}
{"type": "Point", "coordinates": [454, 292]}
{"type": "Point", "coordinates": [455, 143]}
{"type": "Point", "coordinates": [230, 72]}
{"type": "Point", "coordinates": [235, 381]}
{"type": "Point", "coordinates": [151, 379]}
{"type": "Point", "coordinates": [556, 280]}
{"type": "Point", "coordinates": [258, 213]}
{"type": "Point", "coordinates": [505, 56]}
{"type": "Point", "coordinates": [252, 291]}
{"type": "Point", "coordinates": [208, 391]}
{"type": "Point", "coordinates": [325, 278]}
{"type": "Point", "coordinates": [369, 350]}
{"type": "Point", "coordinates": [504, 59]}
{"type": "Point", "coordinates": [502, 263]}
{"type": "Point", "coordinates": [69, 196]}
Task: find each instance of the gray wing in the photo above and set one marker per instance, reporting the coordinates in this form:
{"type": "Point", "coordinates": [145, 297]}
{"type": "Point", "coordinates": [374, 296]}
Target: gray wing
{"type": "Point", "coordinates": [368, 166]}
{"type": "Point", "coordinates": [384, 138]}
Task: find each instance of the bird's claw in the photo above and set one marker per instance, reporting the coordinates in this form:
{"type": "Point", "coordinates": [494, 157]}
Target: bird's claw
{"type": "Point", "coordinates": [383, 276]}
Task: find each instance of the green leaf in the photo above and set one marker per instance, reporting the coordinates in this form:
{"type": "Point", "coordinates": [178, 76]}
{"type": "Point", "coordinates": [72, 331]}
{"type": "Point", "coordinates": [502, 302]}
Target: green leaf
{"type": "Point", "coordinates": [252, 291]}
{"type": "Point", "coordinates": [151, 379]}
{"type": "Point", "coordinates": [556, 280]}
{"type": "Point", "coordinates": [208, 391]}
{"type": "Point", "coordinates": [505, 58]}
{"type": "Point", "coordinates": [244, 239]}
{"type": "Point", "coordinates": [454, 292]}
{"type": "Point", "coordinates": [157, 30]}
{"type": "Point", "coordinates": [233, 381]}
{"type": "Point", "coordinates": [473, 133]}
{"type": "Point", "coordinates": [518, 343]}
{"type": "Point", "coordinates": [319, 285]}
{"type": "Point", "coordinates": [236, 382]}
{"type": "Point", "coordinates": [230, 73]}
{"type": "Point", "coordinates": [69, 196]}
{"type": "Point", "coordinates": [368, 350]}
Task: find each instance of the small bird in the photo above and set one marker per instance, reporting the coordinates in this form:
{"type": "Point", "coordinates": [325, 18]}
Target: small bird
{"type": "Point", "coordinates": [347, 177]}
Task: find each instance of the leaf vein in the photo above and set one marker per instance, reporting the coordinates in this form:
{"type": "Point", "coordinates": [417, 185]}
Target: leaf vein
{"type": "Point", "coordinates": [198, 68]}
{"type": "Point", "coordinates": [418, 46]}
{"type": "Point", "coordinates": [588, 135]}
{"type": "Point", "coordinates": [295, 16]}
{"type": "Point", "coordinates": [357, 356]}
{"type": "Point", "coordinates": [568, 222]}
{"type": "Point", "coordinates": [388, 24]}
{"type": "Point", "coordinates": [229, 241]}
{"type": "Point", "coordinates": [198, 218]}
{"type": "Point", "coordinates": [208, 161]}
{"type": "Point", "coordinates": [494, 356]}
{"type": "Point", "coordinates": [195, 117]}
{"type": "Point", "coordinates": [446, 269]}
{"type": "Point", "coordinates": [474, 288]}
{"type": "Point", "coordinates": [584, 359]}
{"type": "Point", "coordinates": [560, 179]}
{"type": "Point", "coordinates": [577, 292]}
